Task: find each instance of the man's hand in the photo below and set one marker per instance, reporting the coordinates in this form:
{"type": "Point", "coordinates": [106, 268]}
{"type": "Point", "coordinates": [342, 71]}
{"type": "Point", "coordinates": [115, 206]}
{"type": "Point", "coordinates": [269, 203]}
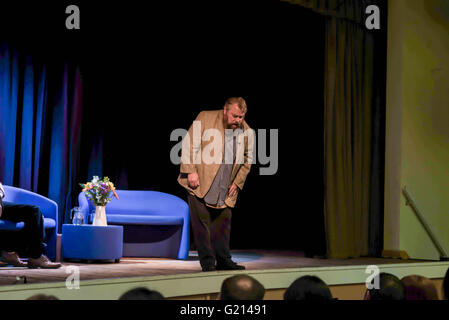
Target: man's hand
{"type": "Point", "coordinates": [232, 190]}
{"type": "Point", "coordinates": [193, 180]}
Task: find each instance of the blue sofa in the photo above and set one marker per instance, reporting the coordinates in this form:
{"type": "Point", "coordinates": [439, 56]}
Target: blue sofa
{"type": "Point", "coordinates": [155, 224]}
{"type": "Point", "coordinates": [49, 210]}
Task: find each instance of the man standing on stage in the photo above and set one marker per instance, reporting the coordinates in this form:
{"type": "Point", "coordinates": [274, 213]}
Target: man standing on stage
{"type": "Point", "coordinates": [216, 158]}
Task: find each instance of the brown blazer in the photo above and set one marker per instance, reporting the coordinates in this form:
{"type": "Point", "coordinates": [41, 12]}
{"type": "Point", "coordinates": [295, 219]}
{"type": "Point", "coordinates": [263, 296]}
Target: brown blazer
{"type": "Point", "coordinates": [207, 169]}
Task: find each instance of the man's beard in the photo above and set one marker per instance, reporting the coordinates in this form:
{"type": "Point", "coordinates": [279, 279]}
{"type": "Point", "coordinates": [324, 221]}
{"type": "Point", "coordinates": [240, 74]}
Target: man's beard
{"type": "Point", "coordinates": [226, 124]}
{"type": "Point", "coordinates": [232, 126]}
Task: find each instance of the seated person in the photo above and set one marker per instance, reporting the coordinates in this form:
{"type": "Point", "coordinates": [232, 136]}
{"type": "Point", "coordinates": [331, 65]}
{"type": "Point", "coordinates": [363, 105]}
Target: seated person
{"type": "Point", "coordinates": [241, 287]}
{"type": "Point", "coordinates": [29, 240]}
{"type": "Point", "coordinates": [419, 288]}
{"type": "Point", "coordinates": [308, 288]}
{"type": "Point", "coordinates": [390, 288]}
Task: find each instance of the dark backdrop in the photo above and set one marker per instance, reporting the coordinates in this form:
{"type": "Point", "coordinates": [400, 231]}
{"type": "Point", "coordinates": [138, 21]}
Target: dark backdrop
{"type": "Point", "coordinates": [149, 70]}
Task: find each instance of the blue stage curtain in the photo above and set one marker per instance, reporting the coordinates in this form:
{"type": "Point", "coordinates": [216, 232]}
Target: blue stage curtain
{"type": "Point", "coordinates": [40, 127]}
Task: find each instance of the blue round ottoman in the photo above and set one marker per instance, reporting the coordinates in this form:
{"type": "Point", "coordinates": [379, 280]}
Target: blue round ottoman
{"type": "Point", "coordinates": [87, 242]}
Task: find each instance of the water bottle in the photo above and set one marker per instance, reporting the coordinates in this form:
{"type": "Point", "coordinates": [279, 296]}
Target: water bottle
{"type": "Point", "coordinates": [77, 216]}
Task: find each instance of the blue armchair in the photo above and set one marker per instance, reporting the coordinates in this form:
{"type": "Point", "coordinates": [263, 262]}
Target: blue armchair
{"type": "Point", "coordinates": [49, 210]}
{"type": "Point", "coordinates": [155, 224]}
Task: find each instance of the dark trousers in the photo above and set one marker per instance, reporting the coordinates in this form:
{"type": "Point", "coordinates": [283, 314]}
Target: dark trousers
{"type": "Point", "coordinates": [211, 229]}
{"type": "Point", "coordinates": [28, 242]}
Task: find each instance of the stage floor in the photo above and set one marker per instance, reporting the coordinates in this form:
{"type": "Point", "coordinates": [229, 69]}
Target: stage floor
{"type": "Point", "coordinates": [147, 267]}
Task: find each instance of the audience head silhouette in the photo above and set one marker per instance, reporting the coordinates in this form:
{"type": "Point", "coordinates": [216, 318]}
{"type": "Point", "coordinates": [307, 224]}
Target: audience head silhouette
{"type": "Point", "coordinates": [42, 296]}
{"type": "Point", "coordinates": [308, 288]}
{"type": "Point", "coordinates": [241, 287]}
{"type": "Point", "coordinates": [142, 294]}
{"type": "Point", "coordinates": [419, 288]}
{"type": "Point", "coordinates": [390, 288]}
{"type": "Point", "coordinates": [446, 286]}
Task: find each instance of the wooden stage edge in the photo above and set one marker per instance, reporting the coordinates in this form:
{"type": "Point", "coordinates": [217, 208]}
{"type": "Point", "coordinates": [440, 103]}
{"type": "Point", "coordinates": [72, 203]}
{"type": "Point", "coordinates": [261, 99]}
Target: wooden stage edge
{"type": "Point", "coordinates": [183, 279]}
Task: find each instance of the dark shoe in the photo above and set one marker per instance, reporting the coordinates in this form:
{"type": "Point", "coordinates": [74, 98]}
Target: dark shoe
{"type": "Point", "coordinates": [42, 262]}
{"type": "Point", "coordinates": [13, 258]}
{"type": "Point", "coordinates": [230, 266]}
{"type": "Point", "coordinates": [208, 268]}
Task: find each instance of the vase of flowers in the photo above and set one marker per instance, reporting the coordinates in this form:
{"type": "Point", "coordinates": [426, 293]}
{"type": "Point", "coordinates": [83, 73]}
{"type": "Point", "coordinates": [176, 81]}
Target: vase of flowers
{"type": "Point", "coordinates": [100, 192]}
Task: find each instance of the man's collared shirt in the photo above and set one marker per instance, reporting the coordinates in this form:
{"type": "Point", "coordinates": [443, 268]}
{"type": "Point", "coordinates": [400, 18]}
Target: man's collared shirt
{"type": "Point", "coordinates": [218, 191]}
